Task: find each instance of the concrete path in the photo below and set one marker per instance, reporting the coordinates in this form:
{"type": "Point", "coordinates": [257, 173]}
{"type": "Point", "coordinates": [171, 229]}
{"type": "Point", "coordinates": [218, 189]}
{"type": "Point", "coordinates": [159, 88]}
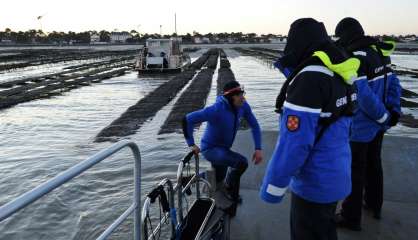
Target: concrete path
{"type": "Point", "coordinates": [257, 220]}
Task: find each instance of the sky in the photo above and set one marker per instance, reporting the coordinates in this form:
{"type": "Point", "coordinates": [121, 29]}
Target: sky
{"type": "Point", "coordinates": [259, 16]}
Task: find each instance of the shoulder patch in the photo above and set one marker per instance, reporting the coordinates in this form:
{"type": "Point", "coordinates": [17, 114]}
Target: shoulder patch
{"type": "Point", "coordinates": [292, 123]}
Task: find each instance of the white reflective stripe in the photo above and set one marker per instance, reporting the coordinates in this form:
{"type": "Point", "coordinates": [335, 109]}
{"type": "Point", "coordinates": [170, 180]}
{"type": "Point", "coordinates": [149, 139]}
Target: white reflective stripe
{"type": "Point", "coordinates": [276, 191]}
{"type": "Point", "coordinates": [383, 119]}
{"type": "Point", "coordinates": [360, 53]}
{"type": "Point", "coordinates": [317, 68]}
{"type": "Point", "coordinates": [313, 68]}
{"type": "Point", "coordinates": [380, 77]}
{"type": "Point", "coordinates": [359, 78]}
{"type": "Point", "coordinates": [301, 108]}
{"type": "Point", "coordinates": [325, 114]}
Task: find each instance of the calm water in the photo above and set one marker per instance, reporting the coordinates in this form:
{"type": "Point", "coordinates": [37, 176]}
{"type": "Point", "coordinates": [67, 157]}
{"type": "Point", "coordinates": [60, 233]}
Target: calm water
{"type": "Point", "coordinates": [41, 138]}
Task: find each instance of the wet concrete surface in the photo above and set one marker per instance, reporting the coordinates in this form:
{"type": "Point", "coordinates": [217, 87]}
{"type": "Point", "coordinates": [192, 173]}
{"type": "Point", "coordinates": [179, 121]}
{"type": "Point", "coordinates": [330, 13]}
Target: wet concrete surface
{"type": "Point", "coordinates": [257, 220]}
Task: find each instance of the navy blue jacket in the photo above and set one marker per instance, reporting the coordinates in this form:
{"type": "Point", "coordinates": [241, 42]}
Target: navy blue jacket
{"type": "Point", "coordinates": [318, 172]}
{"type": "Point", "coordinates": [372, 114]}
{"type": "Point", "coordinates": [222, 124]}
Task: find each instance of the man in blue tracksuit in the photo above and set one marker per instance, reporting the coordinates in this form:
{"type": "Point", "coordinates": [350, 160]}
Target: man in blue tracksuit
{"type": "Point", "coordinates": [223, 119]}
{"type": "Point", "coordinates": [378, 96]}
{"type": "Point", "coordinates": [312, 155]}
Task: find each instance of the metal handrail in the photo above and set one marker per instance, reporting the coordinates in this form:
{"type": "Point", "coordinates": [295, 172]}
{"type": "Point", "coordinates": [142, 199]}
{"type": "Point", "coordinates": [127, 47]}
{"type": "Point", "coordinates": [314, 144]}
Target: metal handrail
{"type": "Point", "coordinates": [179, 186]}
{"type": "Point", "coordinates": [172, 214]}
{"type": "Point", "coordinates": [180, 190]}
{"type": "Point", "coordinates": [31, 196]}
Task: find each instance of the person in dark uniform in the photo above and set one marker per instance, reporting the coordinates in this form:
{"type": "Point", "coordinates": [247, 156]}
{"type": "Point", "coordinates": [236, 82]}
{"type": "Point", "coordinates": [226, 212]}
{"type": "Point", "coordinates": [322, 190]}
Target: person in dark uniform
{"type": "Point", "coordinates": [312, 156]}
{"type": "Point", "coordinates": [165, 61]}
{"type": "Point", "coordinates": [378, 96]}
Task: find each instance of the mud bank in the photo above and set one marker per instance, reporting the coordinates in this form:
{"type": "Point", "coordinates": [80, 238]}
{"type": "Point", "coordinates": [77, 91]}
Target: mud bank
{"type": "Point", "coordinates": [135, 116]}
{"type": "Point", "coordinates": [29, 58]}
{"type": "Point", "coordinates": [193, 98]}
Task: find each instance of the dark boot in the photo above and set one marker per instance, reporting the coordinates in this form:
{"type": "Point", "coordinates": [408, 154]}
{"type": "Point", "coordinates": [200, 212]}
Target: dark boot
{"type": "Point", "coordinates": [376, 213]}
{"type": "Point", "coordinates": [342, 222]}
{"type": "Point", "coordinates": [233, 180]}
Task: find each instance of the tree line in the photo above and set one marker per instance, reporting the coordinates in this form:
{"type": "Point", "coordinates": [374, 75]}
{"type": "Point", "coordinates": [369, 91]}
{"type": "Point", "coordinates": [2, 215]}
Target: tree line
{"type": "Point", "coordinates": [39, 37]}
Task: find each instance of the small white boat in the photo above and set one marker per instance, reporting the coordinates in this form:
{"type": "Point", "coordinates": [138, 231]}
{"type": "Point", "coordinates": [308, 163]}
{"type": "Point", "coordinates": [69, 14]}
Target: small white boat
{"type": "Point", "coordinates": [161, 56]}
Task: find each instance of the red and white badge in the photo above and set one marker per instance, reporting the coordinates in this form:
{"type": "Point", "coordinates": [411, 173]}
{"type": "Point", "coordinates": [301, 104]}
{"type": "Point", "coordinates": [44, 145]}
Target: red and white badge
{"type": "Point", "coordinates": [293, 123]}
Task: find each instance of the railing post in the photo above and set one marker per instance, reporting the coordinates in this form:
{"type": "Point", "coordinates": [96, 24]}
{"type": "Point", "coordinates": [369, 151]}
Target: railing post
{"type": "Point", "coordinates": [137, 192]}
{"type": "Point", "coordinates": [197, 176]}
{"type": "Point", "coordinates": [31, 196]}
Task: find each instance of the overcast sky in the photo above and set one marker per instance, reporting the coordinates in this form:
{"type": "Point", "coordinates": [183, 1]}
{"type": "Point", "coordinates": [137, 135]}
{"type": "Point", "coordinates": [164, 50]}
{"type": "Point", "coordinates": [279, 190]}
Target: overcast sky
{"type": "Point", "coordinates": [259, 16]}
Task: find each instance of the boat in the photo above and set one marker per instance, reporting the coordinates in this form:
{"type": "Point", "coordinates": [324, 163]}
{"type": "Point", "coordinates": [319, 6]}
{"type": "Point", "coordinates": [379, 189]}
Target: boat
{"type": "Point", "coordinates": [161, 56]}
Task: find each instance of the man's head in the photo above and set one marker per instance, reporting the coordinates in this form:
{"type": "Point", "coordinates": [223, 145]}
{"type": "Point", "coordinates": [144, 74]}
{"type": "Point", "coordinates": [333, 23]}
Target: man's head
{"type": "Point", "coordinates": [234, 93]}
{"type": "Point", "coordinates": [304, 36]}
{"type": "Point", "coordinates": [348, 30]}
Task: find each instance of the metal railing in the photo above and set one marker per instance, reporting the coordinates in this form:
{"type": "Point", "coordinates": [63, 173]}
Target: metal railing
{"type": "Point", "coordinates": [178, 189]}
{"type": "Point", "coordinates": [31, 196]}
{"type": "Point", "coordinates": [171, 213]}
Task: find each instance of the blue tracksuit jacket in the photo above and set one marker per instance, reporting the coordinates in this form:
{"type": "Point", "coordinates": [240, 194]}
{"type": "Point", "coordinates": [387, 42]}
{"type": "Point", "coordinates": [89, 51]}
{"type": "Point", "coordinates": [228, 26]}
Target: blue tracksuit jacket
{"type": "Point", "coordinates": [222, 124]}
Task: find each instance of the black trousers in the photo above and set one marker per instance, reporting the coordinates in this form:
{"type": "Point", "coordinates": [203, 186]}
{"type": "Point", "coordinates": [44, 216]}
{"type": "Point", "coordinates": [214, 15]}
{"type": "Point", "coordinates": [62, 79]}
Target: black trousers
{"type": "Point", "coordinates": [309, 220]}
{"type": "Point", "coordinates": [366, 177]}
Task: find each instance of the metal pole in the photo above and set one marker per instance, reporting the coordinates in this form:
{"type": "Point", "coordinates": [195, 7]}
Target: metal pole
{"type": "Point", "coordinates": [175, 23]}
{"type": "Point", "coordinates": [137, 193]}
{"type": "Point", "coordinates": [31, 196]}
{"type": "Point", "coordinates": [179, 190]}
{"type": "Point", "coordinates": [198, 176]}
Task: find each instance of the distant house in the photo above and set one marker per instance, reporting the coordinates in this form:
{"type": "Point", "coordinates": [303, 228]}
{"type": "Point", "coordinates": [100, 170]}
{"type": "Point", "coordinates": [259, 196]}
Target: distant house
{"type": "Point", "coordinates": [278, 40]}
{"type": "Point", "coordinates": [231, 40]}
{"type": "Point", "coordinates": [119, 37]}
{"type": "Point", "coordinates": [94, 38]}
{"type": "Point", "coordinates": [201, 40]}
{"type": "Point", "coordinates": [6, 41]}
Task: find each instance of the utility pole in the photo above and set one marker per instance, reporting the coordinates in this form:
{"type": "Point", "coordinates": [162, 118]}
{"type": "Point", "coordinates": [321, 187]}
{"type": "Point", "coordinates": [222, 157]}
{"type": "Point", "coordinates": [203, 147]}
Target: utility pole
{"type": "Point", "coordinates": [161, 30]}
{"type": "Point", "coordinates": [39, 18]}
{"type": "Point", "coordinates": [138, 27]}
{"type": "Point", "coordinates": [175, 23]}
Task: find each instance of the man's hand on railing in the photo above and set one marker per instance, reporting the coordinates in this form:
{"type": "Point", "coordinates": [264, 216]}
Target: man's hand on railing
{"type": "Point", "coordinates": [257, 157]}
{"type": "Point", "coordinates": [195, 149]}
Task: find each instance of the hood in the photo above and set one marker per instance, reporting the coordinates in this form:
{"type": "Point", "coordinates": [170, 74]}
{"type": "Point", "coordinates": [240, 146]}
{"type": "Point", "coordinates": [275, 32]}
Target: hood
{"type": "Point", "coordinates": [304, 36]}
{"type": "Point", "coordinates": [348, 30]}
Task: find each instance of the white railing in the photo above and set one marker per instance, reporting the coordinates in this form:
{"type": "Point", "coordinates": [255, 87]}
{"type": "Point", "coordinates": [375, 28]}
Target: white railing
{"type": "Point", "coordinates": [31, 196]}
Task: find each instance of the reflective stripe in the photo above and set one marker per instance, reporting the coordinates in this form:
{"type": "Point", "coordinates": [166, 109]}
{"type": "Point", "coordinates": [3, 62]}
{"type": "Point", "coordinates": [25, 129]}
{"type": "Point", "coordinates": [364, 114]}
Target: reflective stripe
{"type": "Point", "coordinates": [380, 77]}
{"type": "Point", "coordinates": [301, 108]}
{"type": "Point", "coordinates": [313, 68]}
{"type": "Point", "coordinates": [276, 191]}
{"type": "Point", "coordinates": [317, 68]}
{"type": "Point", "coordinates": [383, 119]}
{"type": "Point", "coordinates": [359, 78]}
{"type": "Point", "coordinates": [360, 53]}
{"type": "Point", "coordinates": [325, 114]}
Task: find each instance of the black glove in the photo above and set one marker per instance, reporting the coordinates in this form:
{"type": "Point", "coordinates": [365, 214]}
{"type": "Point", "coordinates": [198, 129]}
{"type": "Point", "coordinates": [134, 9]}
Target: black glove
{"type": "Point", "coordinates": [394, 118]}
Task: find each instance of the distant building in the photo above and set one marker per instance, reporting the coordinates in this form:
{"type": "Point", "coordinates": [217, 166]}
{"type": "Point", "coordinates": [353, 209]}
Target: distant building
{"type": "Point", "coordinates": [278, 40]}
{"type": "Point", "coordinates": [94, 38]}
{"type": "Point", "coordinates": [119, 37]}
{"type": "Point", "coordinates": [201, 40]}
{"type": "Point", "coordinates": [6, 41]}
{"type": "Point", "coordinates": [410, 39]}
